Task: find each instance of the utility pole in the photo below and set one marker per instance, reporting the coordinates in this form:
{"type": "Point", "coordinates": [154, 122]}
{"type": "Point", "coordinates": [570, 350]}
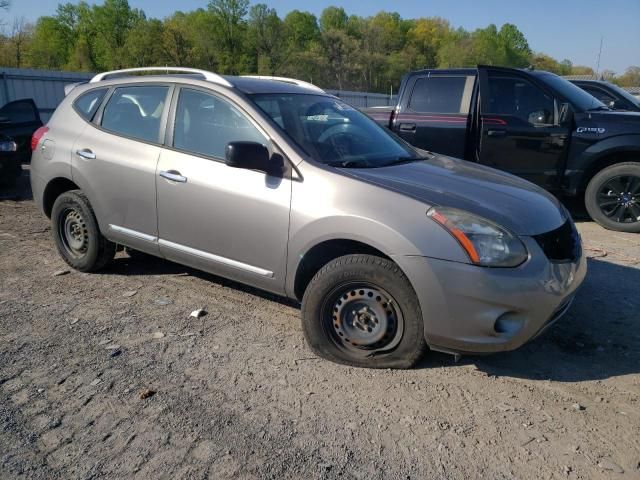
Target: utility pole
{"type": "Point", "coordinates": [599, 56]}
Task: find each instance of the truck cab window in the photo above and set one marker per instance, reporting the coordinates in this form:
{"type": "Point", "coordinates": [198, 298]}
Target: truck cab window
{"type": "Point", "coordinates": [442, 94]}
{"type": "Point", "coordinates": [519, 98]}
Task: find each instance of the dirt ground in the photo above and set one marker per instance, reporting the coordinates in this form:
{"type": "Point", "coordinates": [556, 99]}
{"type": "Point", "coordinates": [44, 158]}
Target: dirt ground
{"type": "Point", "coordinates": [239, 395]}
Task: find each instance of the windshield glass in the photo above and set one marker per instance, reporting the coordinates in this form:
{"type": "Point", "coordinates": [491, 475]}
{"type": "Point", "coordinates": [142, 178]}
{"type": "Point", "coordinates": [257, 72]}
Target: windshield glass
{"type": "Point", "coordinates": [333, 132]}
{"type": "Point", "coordinates": [575, 95]}
{"type": "Point", "coordinates": [623, 93]}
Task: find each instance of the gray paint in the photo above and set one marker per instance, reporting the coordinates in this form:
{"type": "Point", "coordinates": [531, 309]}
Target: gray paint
{"type": "Point", "coordinates": [256, 229]}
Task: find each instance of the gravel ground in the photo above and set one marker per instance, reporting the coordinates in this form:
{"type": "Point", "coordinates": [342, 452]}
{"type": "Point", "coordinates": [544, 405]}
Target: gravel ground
{"type": "Point", "coordinates": [239, 395]}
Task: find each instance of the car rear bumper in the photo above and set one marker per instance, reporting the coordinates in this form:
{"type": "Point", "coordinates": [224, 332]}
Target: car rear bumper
{"type": "Point", "coordinates": [470, 309]}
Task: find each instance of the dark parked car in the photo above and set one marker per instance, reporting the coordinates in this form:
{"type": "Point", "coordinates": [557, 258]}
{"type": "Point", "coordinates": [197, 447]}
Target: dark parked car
{"type": "Point", "coordinates": [611, 95]}
{"type": "Point", "coordinates": [18, 120]}
{"type": "Point", "coordinates": [533, 124]}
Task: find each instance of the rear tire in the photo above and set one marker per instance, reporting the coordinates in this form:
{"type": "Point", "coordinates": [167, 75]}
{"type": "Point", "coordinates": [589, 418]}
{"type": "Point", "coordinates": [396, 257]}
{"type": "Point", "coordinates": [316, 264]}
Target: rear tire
{"type": "Point", "coordinates": [361, 310]}
{"type": "Point", "coordinates": [76, 233]}
{"type": "Point", "coordinates": [613, 197]}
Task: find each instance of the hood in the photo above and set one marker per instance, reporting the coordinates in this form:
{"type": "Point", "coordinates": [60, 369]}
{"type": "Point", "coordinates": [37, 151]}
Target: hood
{"type": "Point", "coordinates": [512, 202]}
{"type": "Point", "coordinates": [604, 124]}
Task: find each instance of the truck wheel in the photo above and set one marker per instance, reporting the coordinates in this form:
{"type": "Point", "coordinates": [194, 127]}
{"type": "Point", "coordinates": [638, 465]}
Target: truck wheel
{"type": "Point", "coordinates": [361, 310]}
{"type": "Point", "coordinates": [613, 197]}
{"type": "Point", "coordinates": [76, 233]}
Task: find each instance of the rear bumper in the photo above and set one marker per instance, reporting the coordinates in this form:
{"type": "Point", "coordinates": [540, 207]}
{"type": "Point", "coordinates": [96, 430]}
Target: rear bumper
{"type": "Point", "coordinates": [470, 309]}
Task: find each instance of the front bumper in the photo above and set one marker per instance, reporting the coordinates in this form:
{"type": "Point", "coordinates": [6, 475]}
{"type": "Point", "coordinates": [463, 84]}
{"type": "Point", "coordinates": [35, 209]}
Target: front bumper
{"type": "Point", "coordinates": [470, 309]}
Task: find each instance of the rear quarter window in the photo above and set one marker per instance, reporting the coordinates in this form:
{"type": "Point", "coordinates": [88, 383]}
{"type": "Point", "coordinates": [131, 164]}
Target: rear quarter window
{"type": "Point", "coordinates": [87, 104]}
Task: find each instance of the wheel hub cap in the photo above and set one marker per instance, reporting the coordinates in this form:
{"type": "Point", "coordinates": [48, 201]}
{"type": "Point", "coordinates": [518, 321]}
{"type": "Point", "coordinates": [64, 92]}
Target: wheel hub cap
{"type": "Point", "coordinates": [618, 199]}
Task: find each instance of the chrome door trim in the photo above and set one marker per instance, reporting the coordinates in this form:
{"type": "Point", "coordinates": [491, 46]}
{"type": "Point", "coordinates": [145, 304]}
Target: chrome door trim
{"type": "Point", "coordinates": [215, 258]}
{"type": "Point", "coordinates": [133, 233]}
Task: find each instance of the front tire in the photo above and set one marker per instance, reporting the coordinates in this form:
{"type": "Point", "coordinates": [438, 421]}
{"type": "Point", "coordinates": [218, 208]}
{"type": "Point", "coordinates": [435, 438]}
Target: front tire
{"type": "Point", "coordinates": [76, 233]}
{"type": "Point", "coordinates": [613, 197]}
{"type": "Point", "coordinates": [361, 310]}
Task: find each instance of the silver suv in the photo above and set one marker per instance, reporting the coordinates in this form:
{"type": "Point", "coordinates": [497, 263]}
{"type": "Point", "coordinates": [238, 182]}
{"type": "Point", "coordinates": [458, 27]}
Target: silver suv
{"type": "Point", "coordinates": [276, 184]}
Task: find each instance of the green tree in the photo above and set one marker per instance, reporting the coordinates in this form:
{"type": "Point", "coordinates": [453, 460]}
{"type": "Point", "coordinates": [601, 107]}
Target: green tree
{"type": "Point", "coordinates": [630, 78]}
{"type": "Point", "coordinates": [143, 46]}
{"type": "Point", "coordinates": [49, 46]}
{"type": "Point", "coordinates": [333, 18]}
{"type": "Point", "coordinates": [265, 35]}
{"type": "Point", "coordinates": [229, 18]}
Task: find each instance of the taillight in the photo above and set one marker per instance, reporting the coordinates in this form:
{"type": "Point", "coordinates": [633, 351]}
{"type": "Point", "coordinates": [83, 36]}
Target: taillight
{"type": "Point", "coordinates": [37, 136]}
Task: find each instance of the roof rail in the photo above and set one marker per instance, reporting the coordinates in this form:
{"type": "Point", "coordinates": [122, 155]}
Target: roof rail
{"type": "Point", "coordinates": [209, 76]}
{"type": "Point", "coordinates": [293, 81]}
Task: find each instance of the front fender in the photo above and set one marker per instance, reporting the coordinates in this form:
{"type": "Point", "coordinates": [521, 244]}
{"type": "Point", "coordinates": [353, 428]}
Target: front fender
{"type": "Point", "coordinates": [619, 143]}
{"type": "Point", "coordinates": [422, 237]}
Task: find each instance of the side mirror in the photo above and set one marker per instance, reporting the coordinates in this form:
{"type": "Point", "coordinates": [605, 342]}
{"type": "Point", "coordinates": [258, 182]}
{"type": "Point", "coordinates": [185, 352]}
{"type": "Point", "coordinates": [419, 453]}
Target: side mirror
{"type": "Point", "coordinates": [248, 155]}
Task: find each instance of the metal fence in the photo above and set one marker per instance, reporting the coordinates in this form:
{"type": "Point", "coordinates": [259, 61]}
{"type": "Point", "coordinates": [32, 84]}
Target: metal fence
{"type": "Point", "coordinates": [45, 87]}
{"type": "Point", "coordinates": [365, 100]}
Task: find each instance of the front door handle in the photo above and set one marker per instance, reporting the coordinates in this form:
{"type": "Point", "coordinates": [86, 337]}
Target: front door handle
{"type": "Point", "coordinates": [496, 133]}
{"type": "Point", "coordinates": [174, 176]}
{"type": "Point", "coordinates": [407, 127]}
{"type": "Point", "coordinates": [86, 154]}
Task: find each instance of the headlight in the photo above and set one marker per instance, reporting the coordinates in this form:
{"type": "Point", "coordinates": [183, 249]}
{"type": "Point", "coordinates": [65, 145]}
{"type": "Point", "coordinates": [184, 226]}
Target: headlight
{"type": "Point", "coordinates": [486, 243]}
{"type": "Point", "coordinates": [8, 146]}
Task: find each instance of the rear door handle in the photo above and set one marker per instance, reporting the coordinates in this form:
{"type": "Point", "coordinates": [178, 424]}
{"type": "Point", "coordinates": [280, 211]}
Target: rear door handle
{"type": "Point", "coordinates": [174, 176]}
{"type": "Point", "coordinates": [496, 133]}
{"type": "Point", "coordinates": [86, 154]}
{"type": "Point", "coordinates": [407, 127]}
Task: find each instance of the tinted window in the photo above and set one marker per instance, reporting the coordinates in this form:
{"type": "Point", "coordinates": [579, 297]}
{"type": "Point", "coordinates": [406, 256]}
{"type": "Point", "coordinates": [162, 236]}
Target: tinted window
{"type": "Point", "coordinates": [440, 94]}
{"type": "Point", "coordinates": [205, 124]}
{"type": "Point", "coordinates": [135, 112]}
{"type": "Point", "coordinates": [333, 132]}
{"type": "Point", "coordinates": [20, 111]}
{"type": "Point", "coordinates": [600, 95]}
{"type": "Point", "coordinates": [519, 98]}
{"type": "Point", "coordinates": [87, 104]}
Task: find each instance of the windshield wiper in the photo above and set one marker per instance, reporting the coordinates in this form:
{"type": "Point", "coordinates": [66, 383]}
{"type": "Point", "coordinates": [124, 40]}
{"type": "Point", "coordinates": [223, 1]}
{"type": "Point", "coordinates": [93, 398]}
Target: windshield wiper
{"type": "Point", "coordinates": [401, 160]}
{"type": "Point", "coordinates": [349, 164]}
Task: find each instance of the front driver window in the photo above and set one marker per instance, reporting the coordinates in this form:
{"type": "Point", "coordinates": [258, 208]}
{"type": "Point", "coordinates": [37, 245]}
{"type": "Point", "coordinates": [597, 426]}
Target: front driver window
{"type": "Point", "coordinates": [205, 124]}
{"type": "Point", "coordinates": [519, 98]}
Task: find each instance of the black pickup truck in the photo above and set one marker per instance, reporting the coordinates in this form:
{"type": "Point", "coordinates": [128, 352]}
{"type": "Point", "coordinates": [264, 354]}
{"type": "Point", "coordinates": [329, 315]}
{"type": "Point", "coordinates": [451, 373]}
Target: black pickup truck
{"type": "Point", "coordinates": [533, 124]}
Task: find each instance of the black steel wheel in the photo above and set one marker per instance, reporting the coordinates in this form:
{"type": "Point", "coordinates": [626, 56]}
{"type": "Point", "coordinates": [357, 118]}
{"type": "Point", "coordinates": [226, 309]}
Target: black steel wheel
{"type": "Point", "coordinates": [77, 235]}
{"type": "Point", "coordinates": [613, 197]}
{"type": "Point", "coordinates": [73, 232]}
{"type": "Point", "coordinates": [362, 318]}
{"type": "Point", "coordinates": [361, 310]}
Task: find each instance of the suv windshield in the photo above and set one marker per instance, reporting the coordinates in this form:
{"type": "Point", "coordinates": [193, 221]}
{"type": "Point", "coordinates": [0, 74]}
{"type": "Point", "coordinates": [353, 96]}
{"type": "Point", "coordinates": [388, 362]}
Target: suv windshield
{"type": "Point", "coordinates": [332, 132]}
{"type": "Point", "coordinates": [580, 99]}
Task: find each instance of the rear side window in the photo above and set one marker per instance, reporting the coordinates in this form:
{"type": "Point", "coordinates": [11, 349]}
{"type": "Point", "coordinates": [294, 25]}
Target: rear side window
{"type": "Point", "coordinates": [136, 112]}
{"type": "Point", "coordinates": [19, 111]}
{"type": "Point", "coordinates": [87, 104]}
{"type": "Point", "coordinates": [205, 124]}
{"type": "Point", "coordinates": [442, 94]}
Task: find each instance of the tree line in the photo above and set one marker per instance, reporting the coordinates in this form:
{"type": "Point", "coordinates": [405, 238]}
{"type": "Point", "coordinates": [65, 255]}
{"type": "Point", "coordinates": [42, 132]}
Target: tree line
{"type": "Point", "coordinates": [336, 50]}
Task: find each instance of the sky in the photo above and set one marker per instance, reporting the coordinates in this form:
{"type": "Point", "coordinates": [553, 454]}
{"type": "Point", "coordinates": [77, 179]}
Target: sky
{"type": "Point", "coordinates": [561, 28]}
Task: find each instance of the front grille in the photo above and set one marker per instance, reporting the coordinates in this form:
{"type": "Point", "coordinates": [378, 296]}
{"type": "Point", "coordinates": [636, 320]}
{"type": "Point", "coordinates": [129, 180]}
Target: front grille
{"type": "Point", "coordinates": [561, 244]}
